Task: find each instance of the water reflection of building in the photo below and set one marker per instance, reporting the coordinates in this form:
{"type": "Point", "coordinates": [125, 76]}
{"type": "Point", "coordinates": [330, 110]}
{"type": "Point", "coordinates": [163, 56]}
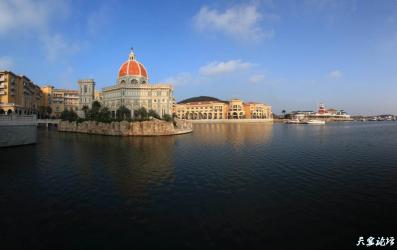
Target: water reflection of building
{"type": "Point", "coordinates": [234, 133]}
{"type": "Point", "coordinates": [210, 108]}
{"type": "Point", "coordinates": [133, 164]}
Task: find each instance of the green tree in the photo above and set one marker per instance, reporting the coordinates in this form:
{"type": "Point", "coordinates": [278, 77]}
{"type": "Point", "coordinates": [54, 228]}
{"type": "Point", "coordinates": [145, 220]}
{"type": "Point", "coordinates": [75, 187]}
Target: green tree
{"type": "Point", "coordinates": [104, 115]}
{"type": "Point", "coordinates": [141, 114]}
{"type": "Point", "coordinates": [45, 111]}
{"type": "Point", "coordinates": [167, 117]}
{"type": "Point", "coordinates": [123, 113]}
{"type": "Point", "coordinates": [96, 105]}
{"type": "Point", "coordinates": [69, 115]}
{"type": "Point", "coordinates": [85, 109]}
{"type": "Point", "coordinates": [283, 112]}
{"type": "Point", "coordinates": [93, 113]}
{"type": "Point", "coordinates": [154, 114]}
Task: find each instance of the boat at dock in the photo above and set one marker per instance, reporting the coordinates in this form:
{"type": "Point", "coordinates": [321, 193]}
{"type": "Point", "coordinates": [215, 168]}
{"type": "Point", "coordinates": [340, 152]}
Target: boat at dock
{"type": "Point", "coordinates": [313, 122]}
{"type": "Point", "coordinates": [293, 121]}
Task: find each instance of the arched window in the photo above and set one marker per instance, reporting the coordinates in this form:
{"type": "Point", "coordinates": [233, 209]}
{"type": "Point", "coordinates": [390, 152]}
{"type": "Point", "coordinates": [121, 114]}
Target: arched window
{"type": "Point", "coordinates": [143, 82]}
{"type": "Point", "coordinates": [134, 81]}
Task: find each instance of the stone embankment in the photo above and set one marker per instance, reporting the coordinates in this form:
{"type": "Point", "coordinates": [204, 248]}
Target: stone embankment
{"type": "Point", "coordinates": [17, 130]}
{"type": "Point", "coordinates": [124, 128]}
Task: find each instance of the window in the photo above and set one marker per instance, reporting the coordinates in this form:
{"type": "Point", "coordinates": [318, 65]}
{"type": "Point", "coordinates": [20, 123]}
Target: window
{"type": "Point", "coordinates": [85, 88]}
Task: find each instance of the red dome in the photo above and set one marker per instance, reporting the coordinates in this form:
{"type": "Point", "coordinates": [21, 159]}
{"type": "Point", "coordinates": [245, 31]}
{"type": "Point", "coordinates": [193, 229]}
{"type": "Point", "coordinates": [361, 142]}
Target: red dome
{"type": "Point", "coordinates": [132, 68]}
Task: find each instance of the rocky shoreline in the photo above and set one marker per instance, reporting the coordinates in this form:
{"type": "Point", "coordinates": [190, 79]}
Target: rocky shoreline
{"type": "Point", "coordinates": [124, 128]}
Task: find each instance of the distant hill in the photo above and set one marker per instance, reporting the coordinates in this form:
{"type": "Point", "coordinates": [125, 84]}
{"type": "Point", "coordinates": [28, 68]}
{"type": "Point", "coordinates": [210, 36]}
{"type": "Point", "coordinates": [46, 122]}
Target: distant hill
{"type": "Point", "coordinates": [201, 99]}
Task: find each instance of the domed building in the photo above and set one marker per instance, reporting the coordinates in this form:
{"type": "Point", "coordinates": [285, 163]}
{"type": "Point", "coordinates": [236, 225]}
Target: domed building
{"type": "Point", "coordinates": [134, 91]}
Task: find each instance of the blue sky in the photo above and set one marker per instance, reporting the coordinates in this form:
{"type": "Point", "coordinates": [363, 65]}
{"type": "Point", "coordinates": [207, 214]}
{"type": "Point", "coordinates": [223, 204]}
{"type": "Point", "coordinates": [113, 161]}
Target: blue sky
{"type": "Point", "coordinates": [290, 54]}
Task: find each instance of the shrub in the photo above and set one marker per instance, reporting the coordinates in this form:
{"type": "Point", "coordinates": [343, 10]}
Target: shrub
{"type": "Point", "coordinates": [167, 117]}
{"type": "Point", "coordinates": [69, 115]}
{"type": "Point", "coordinates": [153, 114]}
{"type": "Point", "coordinates": [123, 113]}
{"type": "Point", "coordinates": [104, 115]}
{"type": "Point", "coordinates": [141, 114]}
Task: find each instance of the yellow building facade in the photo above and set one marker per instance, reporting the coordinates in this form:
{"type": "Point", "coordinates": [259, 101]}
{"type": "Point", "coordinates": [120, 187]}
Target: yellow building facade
{"type": "Point", "coordinates": [201, 110]}
{"type": "Point", "coordinates": [255, 110]}
{"type": "Point", "coordinates": [60, 99]}
{"type": "Point", "coordinates": [18, 94]}
{"type": "Point", "coordinates": [209, 108]}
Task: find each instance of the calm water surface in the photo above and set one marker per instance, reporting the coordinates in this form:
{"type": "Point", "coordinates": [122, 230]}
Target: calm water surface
{"type": "Point", "coordinates": [225, 186]}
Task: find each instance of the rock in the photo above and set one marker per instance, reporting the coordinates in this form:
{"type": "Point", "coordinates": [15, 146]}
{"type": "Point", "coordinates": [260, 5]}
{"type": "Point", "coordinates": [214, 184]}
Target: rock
{"type": "Point", "coordinates": [153, 127]}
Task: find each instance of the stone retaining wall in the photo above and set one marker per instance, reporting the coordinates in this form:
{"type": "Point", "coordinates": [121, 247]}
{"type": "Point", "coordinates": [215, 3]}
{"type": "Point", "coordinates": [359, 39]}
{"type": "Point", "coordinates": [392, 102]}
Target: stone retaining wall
{"type": "Point", "coordinates": [17, 130]}
{"type": "Point", "coordinates": [15, 135]}
{"type": "Point", "coordinates": [124, 128]}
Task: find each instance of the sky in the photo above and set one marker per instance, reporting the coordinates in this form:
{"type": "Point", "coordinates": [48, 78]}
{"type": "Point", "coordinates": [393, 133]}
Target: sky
{"type": "Point", "coordinates": [291, 54]}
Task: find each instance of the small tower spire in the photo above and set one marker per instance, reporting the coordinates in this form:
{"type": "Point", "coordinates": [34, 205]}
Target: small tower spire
{"type": "Point", "coordinates": [132, 54]}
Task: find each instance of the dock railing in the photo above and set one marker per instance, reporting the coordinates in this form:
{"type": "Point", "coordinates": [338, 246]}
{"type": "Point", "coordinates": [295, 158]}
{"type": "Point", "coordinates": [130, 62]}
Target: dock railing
{"type": "Point", "coordinates": [14, 119]}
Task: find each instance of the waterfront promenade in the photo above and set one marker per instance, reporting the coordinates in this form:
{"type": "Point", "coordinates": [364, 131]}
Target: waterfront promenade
{"type": "Point", "coordinates": [17, 130]}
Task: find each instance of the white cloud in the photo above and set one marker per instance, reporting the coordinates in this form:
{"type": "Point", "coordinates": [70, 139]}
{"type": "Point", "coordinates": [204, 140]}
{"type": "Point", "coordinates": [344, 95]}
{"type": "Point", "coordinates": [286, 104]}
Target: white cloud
{"type": "Point", "coordinates": [67, 78]}
{"type": "Point", "coordinates": [218, 73]}
{"type": "Point", "coordinates": [257, 78]}
{"type": "Point", "coordinates": [6, 63]}
{"type": "Point", "coordinates": [29, 15]}
{"type": "Point", "coordinates": [55, 46]}
{"type": "Point", "coordinates": [99, 18]}
{"type": "Point", "coordinates": [37, 19]}
{"type": "Point", "coordinates": [335, 74]}
{"type": "Point", "coordinates": [242, 22]}
{"type": "Point", "coordinates": [180, 79]}
{"type": "Point", "coordinates": [333, 5]}
{"type": "Point", "coordinates": [219, 68]}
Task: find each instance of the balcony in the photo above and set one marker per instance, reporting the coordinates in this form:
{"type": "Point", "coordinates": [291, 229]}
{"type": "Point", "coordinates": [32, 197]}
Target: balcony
{"type": "Point", "coordinates": [2, 92]}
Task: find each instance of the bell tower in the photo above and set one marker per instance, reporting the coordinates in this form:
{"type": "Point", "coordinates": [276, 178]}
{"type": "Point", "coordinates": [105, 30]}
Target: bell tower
{"type": "Point", "coordinates": [86, 93]}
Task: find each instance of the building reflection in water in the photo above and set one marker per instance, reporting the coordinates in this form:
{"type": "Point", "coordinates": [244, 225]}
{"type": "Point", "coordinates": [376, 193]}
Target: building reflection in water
{"type": "Point", "coordinates": [234, 133]}
{"type": "Point", "coordinates": [132, 165]}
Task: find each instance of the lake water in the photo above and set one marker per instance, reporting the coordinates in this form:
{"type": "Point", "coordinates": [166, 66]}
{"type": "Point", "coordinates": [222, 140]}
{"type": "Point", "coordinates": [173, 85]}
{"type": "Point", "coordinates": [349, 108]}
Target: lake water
{"type": "Point", "coordinates": [225, 186]}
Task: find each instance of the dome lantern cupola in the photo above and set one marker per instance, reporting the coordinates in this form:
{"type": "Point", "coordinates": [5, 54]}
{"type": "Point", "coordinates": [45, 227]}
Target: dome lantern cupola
{"type": "Point", "coordinates": [133, 68]}
{"type": "Point", "coordinates": [132, 55]}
